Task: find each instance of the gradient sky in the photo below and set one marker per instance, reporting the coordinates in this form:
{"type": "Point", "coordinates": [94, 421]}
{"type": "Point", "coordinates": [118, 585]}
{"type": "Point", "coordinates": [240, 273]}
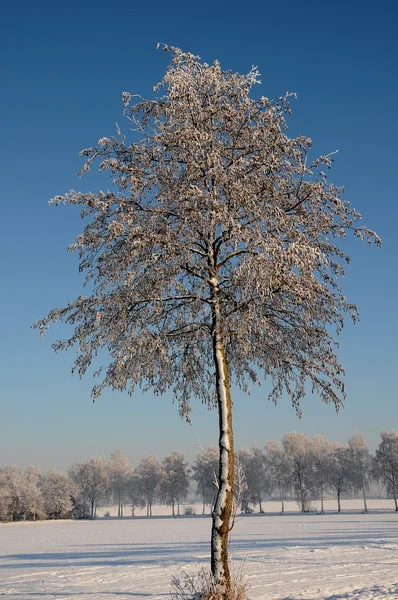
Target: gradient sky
{"type": "Point", "coordinates": [64, 67]}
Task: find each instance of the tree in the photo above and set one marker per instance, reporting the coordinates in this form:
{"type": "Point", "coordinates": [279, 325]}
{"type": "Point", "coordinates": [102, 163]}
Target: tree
{"type": "Point", "coordinates": [91, 477]}
{"type": "Point", "coordinates": [279, 468]}
{"type": "Point", "coordinates": [59, 493]}
{"type": "Point", "coordinates": [360, 465]}
{"type": "Point", "coordinates": [253, 463]}
{"type": "Point", "coordinates": [339, 471]}
{"type": "Point", "coordinates": [387, 462]}
{"type": "Point", "coordinates": [147, 475]}
{"type": "Point", "coordinates": [205, 473]}
{"type": "Point", "coordinates": [12, 481]}
{"type": "Point", "coordinates": [133, 492]}
{"type": "Point", "coordinates": [298, 448]}
{"type": "Point", "coordinates": [213, 259]}
{"type": "Point", "coordinates": [5, 498]}
{"type": "Point", "coordinates": [118, 471]}
{"type": "Point", "coordinates": [174, 483]}
{"type": "Point", "coordinates": [321, 459]}
{"type": "Point", "coordinates": [32, 501]}
{"type": "Point", "coordinates": [242, 461]}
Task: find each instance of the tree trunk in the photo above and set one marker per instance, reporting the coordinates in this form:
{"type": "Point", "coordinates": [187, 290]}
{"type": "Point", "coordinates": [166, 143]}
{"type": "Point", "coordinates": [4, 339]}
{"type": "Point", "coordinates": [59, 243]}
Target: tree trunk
{"type": "Point", "coordinates": [283, 504]}
{"type": "Point", "coordinates": [172, 505]}
{"type": "Point", "coordinates": [365, 505]}
{"type": "Point", "coordinates": [322, 509]}
{"type": "Point", "coordinates": [222, 511]}
{"type": "Point", "coordinates": [92, 508]}
{"type": "Point", "coordinates": [338, 502]}
{"type": "Point", "coordinates": [396, 503]}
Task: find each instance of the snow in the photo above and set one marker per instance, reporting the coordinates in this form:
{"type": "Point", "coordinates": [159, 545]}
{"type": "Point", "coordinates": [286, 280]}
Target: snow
{"type": "Point", "coordinates": [289, 557]}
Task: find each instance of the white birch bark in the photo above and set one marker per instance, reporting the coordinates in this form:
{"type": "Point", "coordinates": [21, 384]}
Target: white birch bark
{"type": "Point", "coordinates": [223, 508]}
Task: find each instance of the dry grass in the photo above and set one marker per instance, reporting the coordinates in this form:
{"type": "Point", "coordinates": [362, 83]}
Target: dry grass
{"type": "Point", "coordinates": [203, 587]}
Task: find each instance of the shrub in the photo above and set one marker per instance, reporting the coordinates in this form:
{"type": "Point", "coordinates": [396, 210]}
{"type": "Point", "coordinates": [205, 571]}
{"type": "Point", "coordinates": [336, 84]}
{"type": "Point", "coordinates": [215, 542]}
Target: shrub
{"type": "Point", "coordinates": [189, 510]}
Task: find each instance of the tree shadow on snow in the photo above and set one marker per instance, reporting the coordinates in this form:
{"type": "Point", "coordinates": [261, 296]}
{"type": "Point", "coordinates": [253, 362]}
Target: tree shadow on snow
{"type": "Point", "coordinates": [138, 554]}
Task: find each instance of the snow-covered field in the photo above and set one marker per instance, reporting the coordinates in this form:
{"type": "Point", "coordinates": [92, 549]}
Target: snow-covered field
{"type": "Point", "coordinates": [290, 557]}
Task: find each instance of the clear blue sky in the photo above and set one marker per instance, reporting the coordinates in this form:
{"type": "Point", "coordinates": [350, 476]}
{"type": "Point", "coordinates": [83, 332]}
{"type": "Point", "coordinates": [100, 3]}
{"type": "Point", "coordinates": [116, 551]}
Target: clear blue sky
{"type": "Point", "coordinates": [63, 69]}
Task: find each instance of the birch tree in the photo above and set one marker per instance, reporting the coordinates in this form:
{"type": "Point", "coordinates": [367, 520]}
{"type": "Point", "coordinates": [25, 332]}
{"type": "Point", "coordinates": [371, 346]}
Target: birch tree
{"type": "Point", "coordinates": [118, 472]}
{"type": "Point", "coordinates": [361, 465]}
{"type": "Point", "coordinates": [91, 477]}
{"type": "Point", "coordinates": [339, 471]}
{"type": "Point", "coordinates": [298, 449]}
{"type": "Point", "coordinates": [386, 462]}
{"type": "Point", "coordinates": [213, 258]}
{"type": "Point", "coordinates": [174, 483]}
{"type": "Point", "coordinates": [32, 497]}
{"type": "Point", "coordinates": [321, 464]}
{"type": "Point", "coordinates": [59, 493]}
{"type": "Point", "coordinates": [205, 473]}
{"type": "Point", "coordinates": [147, 476]}
{"type": "Point", "coordinates": [279, 468]}
{"type": "Point", "coordinates": [257, 483]}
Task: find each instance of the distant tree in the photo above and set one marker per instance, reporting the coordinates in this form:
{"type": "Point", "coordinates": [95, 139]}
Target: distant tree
{"type": "Point", "coordinates": [148, 475]}
{"type": "Point", "coordinates": [387, 462]}
{"type": "Point", "coordinates": [174, 483]}
{"type": "Point", "coordinates": [5, 498]}
{"type": "Point", "coordinates": [59, 493]}
{"type": "Point", "coordinates": [340, 471]}
{"type": "Point", "coordinates": [299, 451]}
{"type": "Point", "coordinates": [13, 481]}
{"type": "Point", "coordinates": [257, 483]}
{"type": "Point", "coordinates": [242, 460]}
{"type": "Point", "coordinates": [279, 468]}
{"type": "Point", "coordinates": [118, 471]}
{"type": "Point", "coordinates": [360, 462]}
{"type": "Point", "coordinates": [216, 259]}
{"type": "Point", "coordinates": [134, 494]}
{"type": "Point", "coordinates": [205, 473]}
{"type": "Point", "coordinates": [321, 464]}
{"type": "Point", "coordinates": [32, 501]}
{"type": "Point", "coordinates": [91, 477]}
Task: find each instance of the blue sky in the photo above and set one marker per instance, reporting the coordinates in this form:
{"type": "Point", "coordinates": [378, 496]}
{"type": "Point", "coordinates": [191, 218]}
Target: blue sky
{"type": "Point", "coordinates": [63, 69]}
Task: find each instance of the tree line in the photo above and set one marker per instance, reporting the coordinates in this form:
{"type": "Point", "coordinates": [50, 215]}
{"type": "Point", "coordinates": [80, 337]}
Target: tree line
{"type": "Point", "coordinates": [300, 467]}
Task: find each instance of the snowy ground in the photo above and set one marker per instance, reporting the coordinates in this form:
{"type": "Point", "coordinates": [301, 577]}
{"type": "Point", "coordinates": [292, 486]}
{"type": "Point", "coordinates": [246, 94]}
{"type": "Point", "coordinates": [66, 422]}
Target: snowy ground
{"type": "Point", "coordinates": [290, 557]}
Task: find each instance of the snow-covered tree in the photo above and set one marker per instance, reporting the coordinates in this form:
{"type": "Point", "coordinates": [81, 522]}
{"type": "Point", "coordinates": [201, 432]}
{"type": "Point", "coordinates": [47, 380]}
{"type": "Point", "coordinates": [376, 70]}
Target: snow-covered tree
{"type": "Point", "coordinates": [32, 501]}
{"type": "Point", "coordinates": [12, 482]}
{"type": "Point", "coordinates": [205, 473]}
{"type": "Point", "coordinates": [387, 462]}
{"type": "Point", "coordinates": [360, 462]}
{"type": "Point", "coordinates": [215, 260]}
{"type": "Point", "coordinates": [134, 495]}
{"type": "Point", "coordinates": [148, 475]}
{"type": "Point", "coordinates": [118, 471]}
{"type": "Point", "coordinates": [242, 459]}
{"type": "Point", "coordinates": [298, 449]}
{"type": "Point", "coordinates": [174, 483]}
{"type": "Point", "coordinates": [321, 464]}
{"type": "Point", "coordinates": [5, 498]}
{"type": "Point", "coordinates": [279, 469]}
{"type": "Point", "coordinates": [59, 493]}
{"type": "Point", "coordinates": [340, 471]}
{"type": "Point", "coordinates": [257, 483]}
{"type": "Point", "coordinates": [91, 477]}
